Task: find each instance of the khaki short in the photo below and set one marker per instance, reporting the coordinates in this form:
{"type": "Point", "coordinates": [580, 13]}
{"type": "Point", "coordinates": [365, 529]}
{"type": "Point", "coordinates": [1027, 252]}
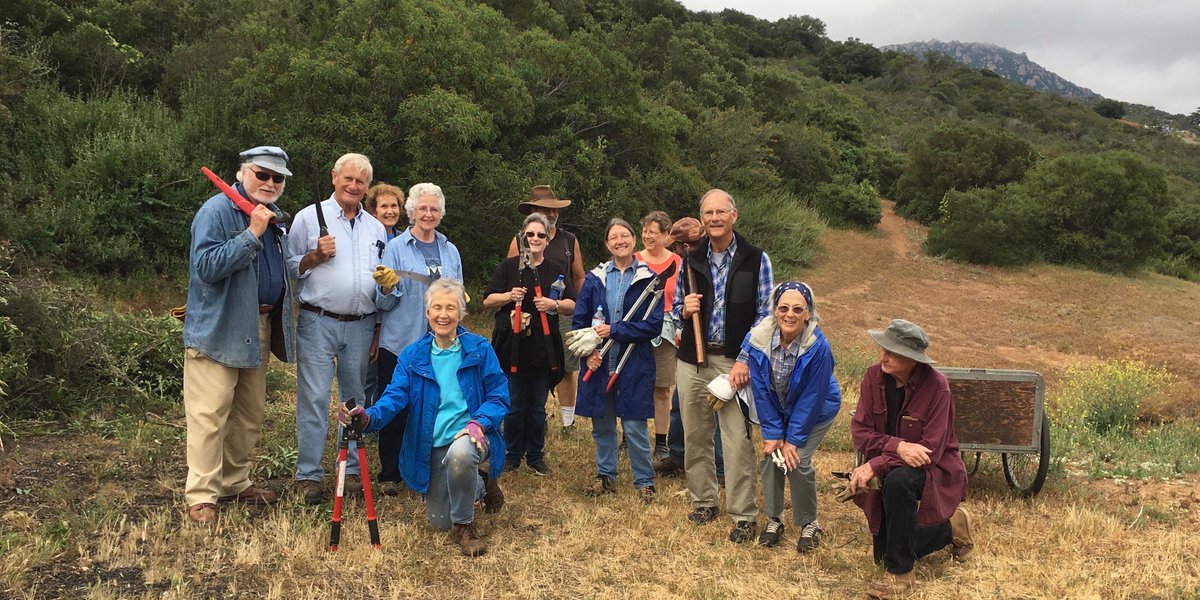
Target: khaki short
{"type": "Point", "coordinates": [571, 361]}
{"type": "Point", "coordinates": [664, 364]}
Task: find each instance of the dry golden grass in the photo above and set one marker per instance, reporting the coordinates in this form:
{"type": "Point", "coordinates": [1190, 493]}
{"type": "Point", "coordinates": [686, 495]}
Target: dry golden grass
{"type": "Point", "coordinates": [120, 502]}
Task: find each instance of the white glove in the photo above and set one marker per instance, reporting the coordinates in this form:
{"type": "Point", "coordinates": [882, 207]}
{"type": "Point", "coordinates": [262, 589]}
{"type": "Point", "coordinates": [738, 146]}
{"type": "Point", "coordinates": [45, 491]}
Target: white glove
{"type": "Point", "coordinates": [777, 458]}
{"type": "Point", "coordinates": [581, 342]}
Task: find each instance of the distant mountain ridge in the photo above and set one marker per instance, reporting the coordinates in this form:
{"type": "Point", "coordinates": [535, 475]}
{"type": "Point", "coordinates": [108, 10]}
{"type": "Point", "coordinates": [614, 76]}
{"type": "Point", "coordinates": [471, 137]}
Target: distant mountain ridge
{"type": "Point", "coordinates": [1001, 61]}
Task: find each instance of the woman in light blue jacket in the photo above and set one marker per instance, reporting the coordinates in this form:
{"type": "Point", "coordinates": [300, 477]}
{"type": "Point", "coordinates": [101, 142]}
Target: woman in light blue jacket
{"type": "Point", "coordinates": [797, 398]}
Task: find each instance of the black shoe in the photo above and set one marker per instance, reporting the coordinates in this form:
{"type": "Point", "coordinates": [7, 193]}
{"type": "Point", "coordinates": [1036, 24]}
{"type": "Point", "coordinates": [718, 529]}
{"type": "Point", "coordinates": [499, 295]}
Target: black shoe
{"type": "Point", "coordinates": [771, 534]}
{"type": "Point", "coordinates": [810, 538]}
{"type": "Point", "coordinates": [538, 467]}
{"type": "Point", "coordinates": [703, 514]}
{"type": "Point", "coordinates": [601, 486]}
{"type": "Point", "coordinates": [667, 467]}
{"type": "Point", "coordinates": [742, 532]}
{"type": "Point", "coordinates": [511, 465]}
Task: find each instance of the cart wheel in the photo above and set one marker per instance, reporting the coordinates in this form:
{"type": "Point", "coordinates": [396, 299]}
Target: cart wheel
{"type": "Point", "coordinates": [971, 468]}
{"type": "Point", "coordinates": [1026, 473]}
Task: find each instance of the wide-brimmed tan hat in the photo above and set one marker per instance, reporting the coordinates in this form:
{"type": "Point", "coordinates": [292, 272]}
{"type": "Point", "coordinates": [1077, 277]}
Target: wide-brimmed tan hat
{"type": "Point", "coordinates": [903, 338]}
{"type": "Point", "coordinates": [543, 196]}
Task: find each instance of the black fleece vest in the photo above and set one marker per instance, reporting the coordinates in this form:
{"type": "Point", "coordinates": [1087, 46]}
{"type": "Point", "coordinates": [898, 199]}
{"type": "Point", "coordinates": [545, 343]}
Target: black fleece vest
{"type": "Point", "coordinates": [741, 298]}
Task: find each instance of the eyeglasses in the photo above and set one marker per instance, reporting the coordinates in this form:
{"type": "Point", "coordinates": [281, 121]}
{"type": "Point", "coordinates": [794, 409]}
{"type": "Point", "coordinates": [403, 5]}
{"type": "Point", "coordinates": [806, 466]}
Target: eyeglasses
{"type": "Point", "coordinates": [433, 210]}
{"type": "Point", "coordinates": [263, 176]}
{"type": "Point", "coordinates": [784, 309]}
{"type": "Point", "coordinates": [541, 235]}
{"type": "Point", "coordinates": [719, 212]}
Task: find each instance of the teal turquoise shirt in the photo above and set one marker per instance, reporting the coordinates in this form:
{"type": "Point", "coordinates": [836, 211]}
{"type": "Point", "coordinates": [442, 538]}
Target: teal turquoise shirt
{"type": "Point", "coordinates": [452, 415]}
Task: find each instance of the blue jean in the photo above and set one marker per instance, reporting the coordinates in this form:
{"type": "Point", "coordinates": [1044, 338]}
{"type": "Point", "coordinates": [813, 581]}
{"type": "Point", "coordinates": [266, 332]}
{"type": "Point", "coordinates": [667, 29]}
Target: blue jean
{"type": "Point", "coordinates": [525, 424]}
{"type": "Point", "coordinates": [675, 437]}
{"type": "Point", "coordinates": [604, 433]}
{"type": "Point", "coordinates": [454, 483]}
{"type": "Point", "coordinates": [325, 347]}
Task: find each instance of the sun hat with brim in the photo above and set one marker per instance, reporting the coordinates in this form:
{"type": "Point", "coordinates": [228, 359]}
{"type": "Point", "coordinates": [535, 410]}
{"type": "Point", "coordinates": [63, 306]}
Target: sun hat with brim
{"type": "Point", "coordinates": [903, 338]}
{"type": "Point", "coordinates": [543, 196]}
{"type": "Point", "coordinates": [268, 157]}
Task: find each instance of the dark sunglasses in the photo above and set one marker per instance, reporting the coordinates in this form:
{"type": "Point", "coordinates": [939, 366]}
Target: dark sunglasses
{"type": "Point", "coordinates": [535, 234]}
{"type": "Point", "coordinates": [785, 309]}
{"type": "Point", "coordinates": [263, 176]}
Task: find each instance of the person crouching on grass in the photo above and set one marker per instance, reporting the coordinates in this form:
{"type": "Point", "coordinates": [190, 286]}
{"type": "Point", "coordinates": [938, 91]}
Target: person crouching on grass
{"type": "Point", "coordinates": [610, 290]}
{"type": "Point", "coordinates": [904, 428]}
{"type": "Point", "coordinates": [790, 368]}
{"type": "Point", "coordinates": [457, 396]}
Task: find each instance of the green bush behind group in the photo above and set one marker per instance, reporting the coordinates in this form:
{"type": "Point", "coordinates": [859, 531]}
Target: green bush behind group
{"type": "Point", "coordinates": [109, 107]}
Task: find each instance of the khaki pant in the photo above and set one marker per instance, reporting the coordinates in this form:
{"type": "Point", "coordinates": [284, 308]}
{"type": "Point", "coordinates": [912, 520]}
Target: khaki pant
{"type": "Point", "coordinates": [224, 408]}
{"type": "Point", "coordinates": [741, 479]}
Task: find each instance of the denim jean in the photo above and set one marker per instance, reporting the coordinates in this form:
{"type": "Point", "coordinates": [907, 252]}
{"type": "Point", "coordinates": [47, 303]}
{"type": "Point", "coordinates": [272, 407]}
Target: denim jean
{"type": "Point", "coordinates": [325, 347]}
{"type": "Point", "coordinates": [525, 425]}
{"type": "Point", "coordinates": [802, 480]}
{"type": "Point", "coordinates": [454, 483]}
{"type": "Point", "coordinates": [392, 434]}
{"type": "Point", "coordinates": [675, 437]}
{"type": "Point", "coordinates": [901, 541]}
{"type": "Point", "coordinates": [604, 433]}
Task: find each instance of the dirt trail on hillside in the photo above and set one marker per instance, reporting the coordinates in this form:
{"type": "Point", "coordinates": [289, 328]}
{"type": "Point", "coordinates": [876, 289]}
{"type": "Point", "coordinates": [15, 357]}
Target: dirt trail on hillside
{"type": "Point", "coordinates": [1043, 318]}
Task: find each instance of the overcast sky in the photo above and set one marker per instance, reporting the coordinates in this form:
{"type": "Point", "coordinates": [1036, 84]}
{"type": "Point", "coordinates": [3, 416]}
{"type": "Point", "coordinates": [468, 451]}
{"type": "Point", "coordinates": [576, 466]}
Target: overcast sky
{"type": "Point", "coordinates": [1143, 52]}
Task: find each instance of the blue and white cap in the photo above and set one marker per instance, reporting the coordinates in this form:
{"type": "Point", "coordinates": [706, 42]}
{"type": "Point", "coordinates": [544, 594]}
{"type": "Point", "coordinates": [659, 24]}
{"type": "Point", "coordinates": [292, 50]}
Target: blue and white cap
{"type": "Point", "coordinates": [267, 157]}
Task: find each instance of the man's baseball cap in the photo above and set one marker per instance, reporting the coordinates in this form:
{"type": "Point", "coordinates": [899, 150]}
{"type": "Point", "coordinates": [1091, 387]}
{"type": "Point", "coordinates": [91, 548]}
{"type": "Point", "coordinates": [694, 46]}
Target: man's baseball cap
{"type": "Point", "coordinates": [267, 157]}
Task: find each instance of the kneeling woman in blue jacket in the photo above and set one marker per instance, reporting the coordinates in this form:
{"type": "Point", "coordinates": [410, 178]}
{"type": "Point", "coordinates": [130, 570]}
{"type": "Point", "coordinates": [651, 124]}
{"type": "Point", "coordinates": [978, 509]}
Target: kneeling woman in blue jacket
{"type": "Point", "coordinates": [456, 395]}
{"type": "Point", "coordinates": [608, 294]}
{"type": "Point", "coordinates": [791, 375]}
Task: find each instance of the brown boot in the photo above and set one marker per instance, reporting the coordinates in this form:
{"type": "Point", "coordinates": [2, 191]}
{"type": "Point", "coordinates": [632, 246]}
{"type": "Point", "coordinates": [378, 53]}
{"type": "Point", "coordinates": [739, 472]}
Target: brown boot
{"type": "Point", "coordinates": [960, 532]}
{"type": "Point", "coordinates": [468, 539]}
{"type": "Point", "coordinates": [204, 513]}
{"type": "Point", "coordinates": [892, 585]}
{"type": "Point", "coordinates": [493, 496]}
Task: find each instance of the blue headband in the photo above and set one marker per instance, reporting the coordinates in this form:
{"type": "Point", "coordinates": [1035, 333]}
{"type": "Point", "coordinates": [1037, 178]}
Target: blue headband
{"type": "Point", "coordinates": [797, 286]}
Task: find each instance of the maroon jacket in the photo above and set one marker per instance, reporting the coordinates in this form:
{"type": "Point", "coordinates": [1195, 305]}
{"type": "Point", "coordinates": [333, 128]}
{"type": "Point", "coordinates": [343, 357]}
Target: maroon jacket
{"type": "Point", "coordinates": [926, 418]}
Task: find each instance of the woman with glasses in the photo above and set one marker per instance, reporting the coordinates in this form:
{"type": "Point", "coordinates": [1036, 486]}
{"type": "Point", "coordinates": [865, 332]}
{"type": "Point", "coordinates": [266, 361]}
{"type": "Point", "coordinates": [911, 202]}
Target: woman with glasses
{"type": "Point", "coordinates": [606, 303]}
{"type": "Point", "coordinates": [788, 364]}
{"type": "Point", "coordinates": [656, 239]}
{"type": "Point", "coordinates": [531, 357]}
{"type": "Point", "coordinates": [425, 252]}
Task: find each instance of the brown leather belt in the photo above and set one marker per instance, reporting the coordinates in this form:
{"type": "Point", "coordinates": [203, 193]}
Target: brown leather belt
{"type": "Point", "coordinates": [718, 348]}
{"type": "Point", "coordinates": [332, 315]}
{"type": "Point", "coordinates": [264, 309]}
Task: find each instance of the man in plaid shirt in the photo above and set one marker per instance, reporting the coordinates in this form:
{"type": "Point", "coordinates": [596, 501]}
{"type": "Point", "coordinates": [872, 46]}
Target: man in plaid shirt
{"type": "Point", "coordinates": [733, 293]}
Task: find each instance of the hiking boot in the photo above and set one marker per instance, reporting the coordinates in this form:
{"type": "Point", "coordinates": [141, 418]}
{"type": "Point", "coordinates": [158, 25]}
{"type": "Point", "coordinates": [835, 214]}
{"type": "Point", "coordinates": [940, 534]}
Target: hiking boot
{"type": "Point", "coordinates": [660, 453]}
{"type": "Point", "coordinates": [511, 465]}
{"type": "Point", "coordinates": [389, 488]}
{"type": "Point", "coordinates": [892, 586]}
{"type": "Point", "coordinates": [204, 513]}
{"type": "Point", "coordinates": [252, 495]}
{"type": "Point", "coordinates": [601, 486]}
{"type": "Point", "coordinates": [702, 515]}
{"type": "Point", "coordinates": [538, 467]}
{"type": "Point", "coordinates": [742, 532]}
{"type": "Point", "coordinates": [647, 494]}
{"type": "Point", "coordinates": [666, 466]}
{"type": "Point", "coordinates": [962, 544]}
{"type": "Point", "coordinates": [810, 538]}
{"type": "Point", "coordinates": [309, 491]}
{"type": "Point", "coordinates": [567, 431]}
{"type": "Point", "coordinates": [493, 496]}
{"type": "Point", "coordinates": [468, 539]}
{"type": "Point", "coordinates": [352, 486]}
{"type": "Point", "coordinates": [772, 533]}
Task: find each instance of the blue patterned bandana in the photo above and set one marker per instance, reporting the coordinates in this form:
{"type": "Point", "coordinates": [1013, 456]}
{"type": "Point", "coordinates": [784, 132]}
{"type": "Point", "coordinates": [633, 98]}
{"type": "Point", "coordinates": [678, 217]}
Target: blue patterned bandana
{"type": "Point", "coordinates": [797, 286]}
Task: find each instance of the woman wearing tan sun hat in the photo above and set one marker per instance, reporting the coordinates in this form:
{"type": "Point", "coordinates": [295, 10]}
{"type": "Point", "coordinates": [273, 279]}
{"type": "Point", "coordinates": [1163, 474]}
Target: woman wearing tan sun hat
{"type": "Point", "coordinates": [563, 248]}
{"type": "Point", "coordinates": [904, 428]}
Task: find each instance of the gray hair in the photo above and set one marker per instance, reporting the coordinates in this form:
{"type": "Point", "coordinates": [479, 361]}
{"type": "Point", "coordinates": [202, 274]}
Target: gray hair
{"type": "Point", "coordinates": [239, 171]}
{"type": "Point", "coordinates": [727, 195]}
{"type": "Point", "coordinates": [355, 161]}
{"type": "Point", "coordinates": [618, 222]}
{"type": "Point", "coordinates": [536, 218]}
{"type": "Point", "coordinates": [424, 189]}
{"type": "Point", "coordinates": [453, 286]}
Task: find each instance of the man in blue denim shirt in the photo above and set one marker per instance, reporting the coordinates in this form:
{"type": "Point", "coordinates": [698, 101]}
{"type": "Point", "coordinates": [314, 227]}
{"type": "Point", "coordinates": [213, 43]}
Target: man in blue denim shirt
{"type": "Point", "coordinates": [336, 322]}
{"type": "Point", "coordinates": [239, 309]}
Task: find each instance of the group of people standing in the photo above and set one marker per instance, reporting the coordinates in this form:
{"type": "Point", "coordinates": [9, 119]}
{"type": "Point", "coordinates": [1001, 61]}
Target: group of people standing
{"type": "Point", "coordinates": [380, 308]}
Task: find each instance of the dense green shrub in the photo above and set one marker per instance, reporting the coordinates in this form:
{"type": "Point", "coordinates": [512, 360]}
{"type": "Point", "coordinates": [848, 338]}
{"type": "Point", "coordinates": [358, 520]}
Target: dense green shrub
{"type": "Point", "coordinates": [985, 226]}
{"type": "Point", "coordinates": [958, 157]}
{"type": "Point", "coordinates": [848, 204]}
{"type": "Point", "coordinates": [779, 223]}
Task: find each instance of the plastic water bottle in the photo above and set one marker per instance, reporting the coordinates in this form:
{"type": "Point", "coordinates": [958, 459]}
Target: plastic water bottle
{"type": "Point", "coordinates": [598, 318]}
{"type": "Point", "coordinates": [556, 288]}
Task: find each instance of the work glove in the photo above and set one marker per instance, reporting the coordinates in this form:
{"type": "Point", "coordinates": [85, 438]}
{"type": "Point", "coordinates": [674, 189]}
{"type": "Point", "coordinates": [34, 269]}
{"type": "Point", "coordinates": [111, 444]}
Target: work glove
{"type": "Point", "coordinates": [385, 277]}
{"type": "Point", "coordinates": [525, 320]}
{"type": "Point", "coordinates": [716, 403]}
{"type": "Point", "coordinates": [475, 430]}
{"type": "Point", "coordinates": [842, 487]}
{"type": "Point", "coordinates": [581, 342]}
{"type": "Point", "coordinates": [357, 415]}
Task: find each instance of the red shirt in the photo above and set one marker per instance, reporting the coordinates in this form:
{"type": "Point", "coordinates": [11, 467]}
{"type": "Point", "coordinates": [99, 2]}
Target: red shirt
{"type": "Point", "coordinates": [669, 289]}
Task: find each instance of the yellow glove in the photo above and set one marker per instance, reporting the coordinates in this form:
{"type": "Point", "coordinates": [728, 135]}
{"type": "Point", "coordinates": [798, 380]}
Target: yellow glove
{"type": "Point", "coordinates": [385, 277]}
{"type": "Point", "coordinates": [716, 403]}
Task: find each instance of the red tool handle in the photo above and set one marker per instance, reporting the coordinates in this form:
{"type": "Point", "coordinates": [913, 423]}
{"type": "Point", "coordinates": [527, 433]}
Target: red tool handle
{"type": "Point", "coordinates": [537, 293]}
{"type": "Point", "coordinates": [238, 200]}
